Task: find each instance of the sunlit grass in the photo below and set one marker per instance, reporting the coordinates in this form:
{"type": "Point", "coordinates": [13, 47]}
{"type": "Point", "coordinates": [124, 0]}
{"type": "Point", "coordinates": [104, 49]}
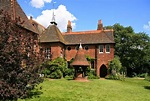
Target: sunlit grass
{"type": "Point", "coordinates": [94, 90]}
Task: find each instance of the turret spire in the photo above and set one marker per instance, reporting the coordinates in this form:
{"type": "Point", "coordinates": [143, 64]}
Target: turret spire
{"type": "Point", "coordinates": [53, 16]}
{"type": "Point", "coordinates": [80, 47]}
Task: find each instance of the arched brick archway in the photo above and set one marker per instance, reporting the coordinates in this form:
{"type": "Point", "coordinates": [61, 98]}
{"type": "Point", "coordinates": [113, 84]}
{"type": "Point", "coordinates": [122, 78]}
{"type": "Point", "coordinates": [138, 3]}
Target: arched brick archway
{"type": "Point", "coordinates": [103, 71]}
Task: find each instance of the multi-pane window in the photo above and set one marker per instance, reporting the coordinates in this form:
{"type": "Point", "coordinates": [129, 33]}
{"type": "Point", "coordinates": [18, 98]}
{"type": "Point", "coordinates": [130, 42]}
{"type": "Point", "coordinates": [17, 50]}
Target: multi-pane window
{"type": "Point", "coordinates": [107, 48]}
{"type": "Point", "coordinates": [47, 53]}
{"type": "Point", "coordinates": [101, 48]}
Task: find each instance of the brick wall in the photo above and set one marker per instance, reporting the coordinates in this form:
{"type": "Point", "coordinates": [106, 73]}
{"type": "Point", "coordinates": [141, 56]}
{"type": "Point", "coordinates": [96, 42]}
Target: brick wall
{"type": "Point", "coordinates": [57, 49]}
{"type": "Point", "coordinates": [104, 58]}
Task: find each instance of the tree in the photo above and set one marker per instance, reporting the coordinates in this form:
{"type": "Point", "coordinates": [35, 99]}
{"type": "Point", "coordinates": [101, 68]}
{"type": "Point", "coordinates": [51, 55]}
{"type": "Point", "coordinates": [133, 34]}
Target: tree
{"type": "Point", "coordinates": [132, 48]}
{"type": "Point", "coordinates": [18, 62]}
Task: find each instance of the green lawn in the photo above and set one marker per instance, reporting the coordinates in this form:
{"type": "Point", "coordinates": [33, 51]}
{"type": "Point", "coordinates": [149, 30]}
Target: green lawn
{"type": "Point", "coordinates": [94, 90]}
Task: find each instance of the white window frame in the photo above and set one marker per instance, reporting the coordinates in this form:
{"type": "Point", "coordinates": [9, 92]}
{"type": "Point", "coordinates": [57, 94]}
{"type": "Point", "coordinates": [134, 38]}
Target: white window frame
{"type": "Point", "coordinates": [101, 47]}
{"type": "Point", "coordinates": [107, 47]}
{"type": "Point", "coordinates": [47, 53]}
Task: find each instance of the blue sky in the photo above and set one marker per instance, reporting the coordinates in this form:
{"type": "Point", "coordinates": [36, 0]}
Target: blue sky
{"type": "Point", "coordinates": [84, 14]}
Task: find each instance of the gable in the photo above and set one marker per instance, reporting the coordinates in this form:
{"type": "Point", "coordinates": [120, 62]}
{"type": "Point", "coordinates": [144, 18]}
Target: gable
{"type": "Point", "coordinates": [16, 11]}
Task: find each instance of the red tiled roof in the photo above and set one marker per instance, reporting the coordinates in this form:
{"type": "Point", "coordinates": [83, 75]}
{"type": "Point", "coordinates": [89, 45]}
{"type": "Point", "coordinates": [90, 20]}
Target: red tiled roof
{"type": "Point", "coordinates": [89, 37]}
{"type": "Point", "coordinates": [52, 34]}
{"type": "Point", "coordinates": [40, 28]}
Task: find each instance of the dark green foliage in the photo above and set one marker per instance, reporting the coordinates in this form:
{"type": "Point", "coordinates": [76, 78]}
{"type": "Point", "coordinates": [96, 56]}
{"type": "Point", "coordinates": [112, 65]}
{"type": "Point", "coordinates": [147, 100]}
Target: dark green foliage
{"type": "Point", "coordinates": [70, 72]}
{"type": "Point", "coordinates": [15, 80]}
{"type": "Point", "coordinates": [57, 74]}
{"type": "Point", "coordinates": [92, 73]}
{"type": "Point", "coordinates": [146, 76]}
{"type": "Point", "coordinates": [115, 69]}
{"type": "Point", "coordinates": [115, 65]}
{"type": "Point", "coordinates": [56, 68]}
{"type": "Point", "coordinates": [133, 49]}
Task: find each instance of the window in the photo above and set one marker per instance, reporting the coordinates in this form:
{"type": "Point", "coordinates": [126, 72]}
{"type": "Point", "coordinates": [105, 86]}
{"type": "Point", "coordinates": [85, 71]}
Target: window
{"type": "Point", "coordinates": [101, 49]}
{"type": "Point", "coordinates": [34, 48]}
{"type": "Point", "coordinates": [77, 47]}
{"type": "Point", "coordinates": [92, 64]}
{"type": "Point", "coordinates": [86, 47]}
{"type": "Point", "coordinates": [47, 53]}
{"type": "Point", "coordinates": [107, 48]}
{"type": "Point", "coordinates": [68, 48]}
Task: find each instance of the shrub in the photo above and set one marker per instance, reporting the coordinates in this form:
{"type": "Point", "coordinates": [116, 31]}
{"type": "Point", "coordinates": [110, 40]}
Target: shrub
{"type": "Point", "coordinates": [147, 77]}
{"type": "Point", "coordinates": [56, 74]}
{"type": "Point", "coordinates": [115, 69]}
{"type": "Point", "coordinates": [91, 73]}
{"type": "Point", "coordinates": [143, 75]}
{"type": "Point", "coordinates": [70, 73]}
{"type": "Point", "coordinates": [55, 69]}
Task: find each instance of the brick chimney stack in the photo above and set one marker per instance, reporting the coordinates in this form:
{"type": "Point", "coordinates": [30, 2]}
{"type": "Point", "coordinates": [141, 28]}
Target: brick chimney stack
{"type": "Point", "coordinates": [13, 9]}
{"type": "Point", "coordinates": [69, 27]}
{"type": "Point", "coordinates": [100, 25]}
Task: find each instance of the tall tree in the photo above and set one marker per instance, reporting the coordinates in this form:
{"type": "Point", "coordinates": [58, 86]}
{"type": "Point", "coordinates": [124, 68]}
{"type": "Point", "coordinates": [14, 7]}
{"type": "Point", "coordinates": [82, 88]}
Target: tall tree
{"type": "Point", "coordinates": [18, 62]}
{"type": "Point", "coordinates": [132, 48]}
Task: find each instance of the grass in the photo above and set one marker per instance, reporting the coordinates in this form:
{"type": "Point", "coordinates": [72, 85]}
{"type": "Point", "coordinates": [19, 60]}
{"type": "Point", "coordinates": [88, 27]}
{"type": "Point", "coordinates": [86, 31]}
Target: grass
{"type": "Point", "coordinates": [94, 90]}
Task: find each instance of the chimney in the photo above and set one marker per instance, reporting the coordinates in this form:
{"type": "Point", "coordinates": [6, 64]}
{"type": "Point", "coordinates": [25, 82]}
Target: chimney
{"type": "Point", "coordinates": [13, 9]}
{"type": "Point", "coordinates": [69, 27]}
{"type": "Point", "coordinates": [31, 18]}
{"type": "Point", "coordinates": [100, 25]}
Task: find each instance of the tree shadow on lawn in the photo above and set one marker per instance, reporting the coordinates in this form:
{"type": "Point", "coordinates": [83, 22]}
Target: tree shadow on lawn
{"type": "Point", "coordinates": [147, 87]}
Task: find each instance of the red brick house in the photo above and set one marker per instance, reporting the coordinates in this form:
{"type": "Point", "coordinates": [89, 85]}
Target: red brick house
{"type": "Point", "coordinates": [98, 45]}
{"type": "Point", "coordinates": [28, 31]}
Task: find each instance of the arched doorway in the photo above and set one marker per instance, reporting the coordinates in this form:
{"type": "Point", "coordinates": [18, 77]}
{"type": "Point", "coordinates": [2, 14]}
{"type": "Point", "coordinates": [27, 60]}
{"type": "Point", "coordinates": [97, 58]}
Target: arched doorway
{"type": "Point", "coordinates": [103, 71]}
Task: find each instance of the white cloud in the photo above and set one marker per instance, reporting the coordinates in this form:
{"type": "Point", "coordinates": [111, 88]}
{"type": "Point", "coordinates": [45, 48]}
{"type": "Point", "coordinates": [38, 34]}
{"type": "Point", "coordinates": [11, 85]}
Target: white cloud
{"type": "Point", "coordinates": [61, 16]}
{"type": "Point", "coordinates": [39, 3]}
{"type": "Point", "coordinates": [147, 27]}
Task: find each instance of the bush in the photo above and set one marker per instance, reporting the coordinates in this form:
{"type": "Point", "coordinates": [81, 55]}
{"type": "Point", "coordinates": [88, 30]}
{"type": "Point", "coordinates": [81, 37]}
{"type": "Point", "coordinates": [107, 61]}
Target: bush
{"type": "Point", "coordinates": [92, 73]}
{"type": "Point", "coordinates": [70, 72]}
{"type": "Point", "coordinates": [55, 69]}
{"type": "Point", "coordinates": [115, 69]}
{"type": "Point", "coordinates": [56, 74]}
{"type": "Point", "coordinates": [147, 77]}
{"type": "Point", "coordinates": [143, 75]}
